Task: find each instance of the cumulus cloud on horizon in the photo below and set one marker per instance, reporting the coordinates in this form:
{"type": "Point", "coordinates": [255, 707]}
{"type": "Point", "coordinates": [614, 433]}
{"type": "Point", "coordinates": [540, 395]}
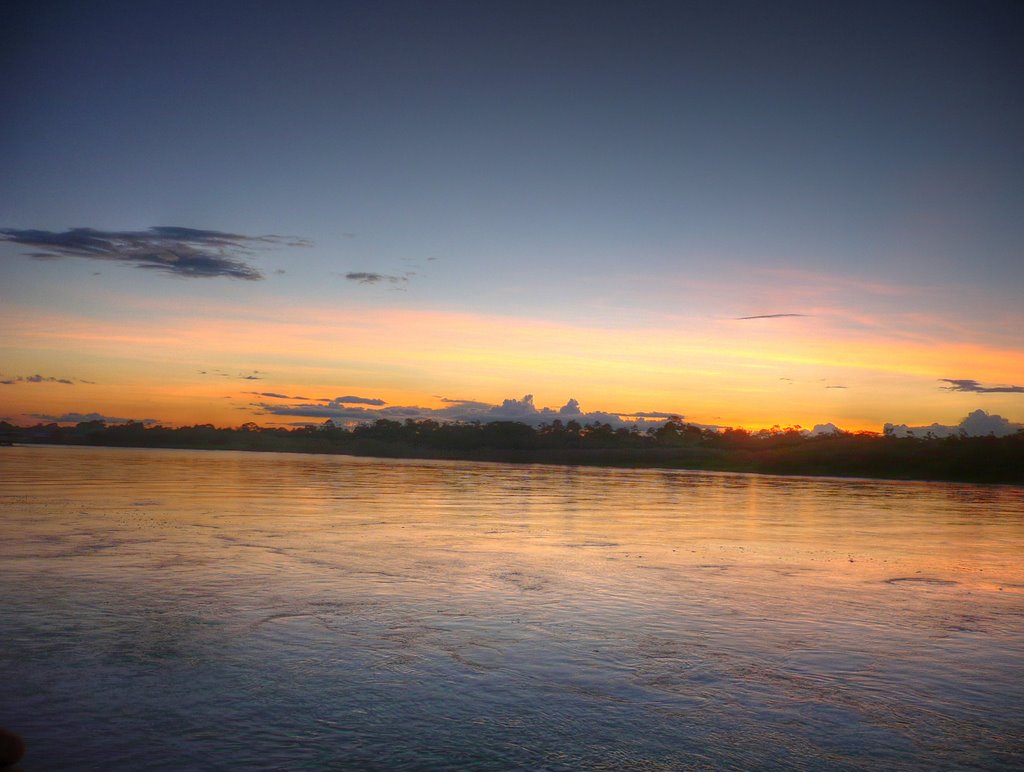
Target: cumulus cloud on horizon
{"type": "Point", "coordinates": [976, 424]}
{"type": "Point", "coordinates": [184, 252]}
{"type": "Point", "coordinates": [824, 430]}
{"type": "Point", "coordinates": [522, 410]}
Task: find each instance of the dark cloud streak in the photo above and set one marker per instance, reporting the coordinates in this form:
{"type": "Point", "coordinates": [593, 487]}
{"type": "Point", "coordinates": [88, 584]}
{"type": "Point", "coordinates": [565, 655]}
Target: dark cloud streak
{"type": "Point", "coordinates": [39, 379]}
{"type": "Point", "coordinates": [364, 277]}
{"type": "Point", "coordinates": [766, 316]}
{"type": "Point", "coordinates": [972, 386]}
{"type": "Point", "coordinates": [75, 418]}
{"type": "Point", "coordinates": [184, 252]}
{"type": "Point", "coordinates": [274, 395]}
{"type": "Point", "coordinates": [352, 400]}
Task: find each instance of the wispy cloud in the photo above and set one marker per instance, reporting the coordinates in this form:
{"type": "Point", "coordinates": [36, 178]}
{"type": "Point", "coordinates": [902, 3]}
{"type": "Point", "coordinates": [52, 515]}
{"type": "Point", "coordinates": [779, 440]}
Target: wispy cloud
{"type": "Point", "coordinates": [255, 375]}
{"type": "Point", "coordinates": [352, 400]}
{"type": "Point", "coordinates": [74, 418]}
{"type": "Point", "coordinates": [466, 403]}
{"type": "Point", "coordinates": [329, 401]}
{"type": "Point", "coordinates": [339, 412]}
{"type": "Point", "coordinates": [970, 385]}
{"type": "Point", "coordinates": [184, 252]}
{"type": "Point", "coordinates": [274, 395]}
{"type": "Point", "coordinates": [766, 316]}
{"type": "Point", "coordinates": [10, 381]}
{"type": "Point", "coordinates": [364, 277]}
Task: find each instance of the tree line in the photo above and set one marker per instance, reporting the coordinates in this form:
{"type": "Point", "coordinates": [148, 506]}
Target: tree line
{"type": "Point", "coordinates": [673, 444]}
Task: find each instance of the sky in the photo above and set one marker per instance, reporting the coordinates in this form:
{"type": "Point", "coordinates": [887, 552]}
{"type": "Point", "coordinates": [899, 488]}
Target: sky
{"type": "Point", "coordinates": [741, 213]}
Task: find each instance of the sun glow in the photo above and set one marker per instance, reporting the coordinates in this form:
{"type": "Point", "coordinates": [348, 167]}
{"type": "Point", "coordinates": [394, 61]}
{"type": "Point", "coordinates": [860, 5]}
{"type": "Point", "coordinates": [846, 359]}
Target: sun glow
{"type": "Point", "coordinates": [203, 365]}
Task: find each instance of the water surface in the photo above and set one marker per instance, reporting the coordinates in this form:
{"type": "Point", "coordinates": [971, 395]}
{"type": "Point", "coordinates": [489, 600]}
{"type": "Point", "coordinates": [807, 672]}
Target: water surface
{"type": "Point", "coordinates": [168, 609]}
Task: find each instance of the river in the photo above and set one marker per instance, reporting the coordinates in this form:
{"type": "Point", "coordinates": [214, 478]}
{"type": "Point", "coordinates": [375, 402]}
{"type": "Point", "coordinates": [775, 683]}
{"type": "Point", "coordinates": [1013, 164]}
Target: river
{"type": "Point", "coordinates": [172, 609]}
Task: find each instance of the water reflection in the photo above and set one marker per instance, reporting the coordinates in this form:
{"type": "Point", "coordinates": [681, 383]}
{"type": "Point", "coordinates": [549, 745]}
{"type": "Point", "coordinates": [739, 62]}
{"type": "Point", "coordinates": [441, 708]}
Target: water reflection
{"type": "Point", "coordinates": [224, 609]}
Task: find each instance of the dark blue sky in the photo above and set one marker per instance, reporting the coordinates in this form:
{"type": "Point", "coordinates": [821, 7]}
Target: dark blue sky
{"type": "Point", "coordinates": [710, 126]}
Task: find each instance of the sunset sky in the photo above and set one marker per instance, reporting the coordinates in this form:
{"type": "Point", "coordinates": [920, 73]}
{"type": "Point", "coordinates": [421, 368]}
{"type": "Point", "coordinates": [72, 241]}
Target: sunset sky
{"type": "Point", "coordinates": [744, 213]}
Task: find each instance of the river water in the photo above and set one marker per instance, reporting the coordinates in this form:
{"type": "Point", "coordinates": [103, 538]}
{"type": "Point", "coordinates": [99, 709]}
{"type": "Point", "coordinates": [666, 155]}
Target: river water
{"type": "Point", "coordinates": [170, 609]}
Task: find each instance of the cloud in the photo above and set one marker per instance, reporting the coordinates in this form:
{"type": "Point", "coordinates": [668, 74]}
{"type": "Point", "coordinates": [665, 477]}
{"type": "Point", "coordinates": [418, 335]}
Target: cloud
{"type": "Point", "coordinates": [970, 385]}
{"type": "Point", "coordinates": [837, 387]}
{"type": "Point", "coordinates": [350, 400]}
{"type": "Point", "coordinates": [572, 407]}
{"type": "Point", "coordinates": [255, 375]}
{"type": "Point", "coordinates": [515, 408]}
{"type": "Point", "coordinates": [74, 418]}
{"type": "Point", "coordinates": [322, 411]}
{"type": "Point", "coordinates": [339, 407]}
{"type": "Point", "coordinates": [981, 424]}
{"type": "Point", "coordinates": [523, 410]}
{"type": "Point", "coordinates": [766, 316]}
{"type": "Point", "coordinates": [184, 252]}
{"type": "Point", "coordinates": [273, 395]}
{"type": "Point", "coordinates": [39, 379]}
{"type": "Point", "coordinates": [468, 404]}
{"type": "Point", "coordinates": [976, 424]}
{"type": "Point", "coordinates": [826, 429]}
{"type": "Point", "coordinates": [364, 277]}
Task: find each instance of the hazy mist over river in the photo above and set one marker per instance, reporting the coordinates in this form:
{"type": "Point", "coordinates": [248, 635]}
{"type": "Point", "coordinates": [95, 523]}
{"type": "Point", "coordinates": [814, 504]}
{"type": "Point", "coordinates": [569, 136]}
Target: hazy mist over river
{"type": "Point", "coordinates": [170, 609]}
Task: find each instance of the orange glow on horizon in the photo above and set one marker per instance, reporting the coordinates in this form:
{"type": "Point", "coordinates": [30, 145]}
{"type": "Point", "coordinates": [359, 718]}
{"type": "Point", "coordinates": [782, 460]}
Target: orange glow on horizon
{"type": "Point", "coordinates": [183, 368]}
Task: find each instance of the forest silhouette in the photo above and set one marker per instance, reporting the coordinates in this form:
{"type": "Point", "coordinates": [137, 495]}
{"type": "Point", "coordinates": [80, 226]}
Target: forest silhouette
{"type": "Point", "coordinates": [674, 445]}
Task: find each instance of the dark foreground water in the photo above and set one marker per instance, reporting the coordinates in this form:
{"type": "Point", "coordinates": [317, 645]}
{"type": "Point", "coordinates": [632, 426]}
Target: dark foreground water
{"type": "Point", "coordinates": [206, 610]}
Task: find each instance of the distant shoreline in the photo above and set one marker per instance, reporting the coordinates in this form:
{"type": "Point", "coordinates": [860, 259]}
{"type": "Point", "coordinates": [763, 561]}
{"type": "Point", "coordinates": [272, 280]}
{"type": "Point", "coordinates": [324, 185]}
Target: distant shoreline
{"type": "Point", "coordinates": [996, 460]}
